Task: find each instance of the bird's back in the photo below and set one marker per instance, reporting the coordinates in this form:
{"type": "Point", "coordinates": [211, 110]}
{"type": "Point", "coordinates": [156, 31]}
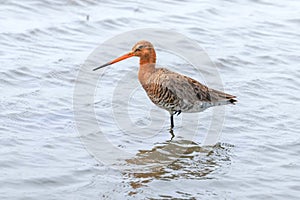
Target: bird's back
{"type": "Point", "coordinates": [175, 92]}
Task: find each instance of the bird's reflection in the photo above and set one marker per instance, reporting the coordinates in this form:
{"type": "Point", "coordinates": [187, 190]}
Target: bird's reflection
{"type": "Point", "coordinates": [175, 159]}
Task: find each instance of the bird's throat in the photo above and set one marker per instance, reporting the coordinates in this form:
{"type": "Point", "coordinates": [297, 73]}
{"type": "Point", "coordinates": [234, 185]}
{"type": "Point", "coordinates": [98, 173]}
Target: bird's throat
{"type": "Point", "coordinates": [148, 59]}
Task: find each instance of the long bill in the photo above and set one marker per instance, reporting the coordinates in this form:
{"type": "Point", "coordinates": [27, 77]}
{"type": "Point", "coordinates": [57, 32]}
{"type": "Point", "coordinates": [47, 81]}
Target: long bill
{"type": "Point", "coordinates": [128, 55]}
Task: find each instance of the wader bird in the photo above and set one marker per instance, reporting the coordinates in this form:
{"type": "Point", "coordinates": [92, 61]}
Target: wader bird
{"type": "Point", "coordinates": [169, 90]}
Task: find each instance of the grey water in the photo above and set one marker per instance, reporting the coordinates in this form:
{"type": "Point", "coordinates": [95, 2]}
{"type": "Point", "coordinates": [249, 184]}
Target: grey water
{"type": "Point", "coordinates": [255, 47]}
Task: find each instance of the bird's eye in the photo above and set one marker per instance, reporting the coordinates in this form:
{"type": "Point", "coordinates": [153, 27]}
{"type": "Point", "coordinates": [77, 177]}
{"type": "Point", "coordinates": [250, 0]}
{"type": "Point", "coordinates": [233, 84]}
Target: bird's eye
{"type": "Point", "coordinates": [139, 48]}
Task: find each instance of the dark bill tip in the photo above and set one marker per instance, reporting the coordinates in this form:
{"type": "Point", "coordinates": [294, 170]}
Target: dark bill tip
{"type": "Point", "coordinates": [102, 66]}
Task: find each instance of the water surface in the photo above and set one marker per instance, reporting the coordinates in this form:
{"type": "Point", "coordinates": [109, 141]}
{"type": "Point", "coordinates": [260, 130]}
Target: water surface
{"type": "Point", "coordinates": [255, 46]}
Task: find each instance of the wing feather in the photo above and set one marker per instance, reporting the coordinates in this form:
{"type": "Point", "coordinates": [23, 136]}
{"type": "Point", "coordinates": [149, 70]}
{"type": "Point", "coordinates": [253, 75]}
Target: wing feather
{"type": "Point", "coordinates": [174, 91]}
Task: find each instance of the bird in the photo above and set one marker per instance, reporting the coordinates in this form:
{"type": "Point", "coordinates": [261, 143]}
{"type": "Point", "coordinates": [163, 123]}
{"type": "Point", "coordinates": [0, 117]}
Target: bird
{"type": "Point", "coordinates": [171, 91]}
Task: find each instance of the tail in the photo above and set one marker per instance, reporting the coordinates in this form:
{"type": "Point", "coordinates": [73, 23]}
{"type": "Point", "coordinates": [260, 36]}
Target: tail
{"type": "Point", "coordinates": [232, 100]}
{"type": "Point", "coordinates": [222, 98]}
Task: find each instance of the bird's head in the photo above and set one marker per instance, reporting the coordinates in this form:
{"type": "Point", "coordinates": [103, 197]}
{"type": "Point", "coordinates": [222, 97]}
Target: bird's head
{"type": "Point", "coordinates": [142, 48]}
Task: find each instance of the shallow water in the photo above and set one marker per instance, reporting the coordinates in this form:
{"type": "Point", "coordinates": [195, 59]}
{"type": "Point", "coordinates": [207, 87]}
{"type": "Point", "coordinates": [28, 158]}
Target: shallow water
{"type": "Point", "coordinates": [255, 46]}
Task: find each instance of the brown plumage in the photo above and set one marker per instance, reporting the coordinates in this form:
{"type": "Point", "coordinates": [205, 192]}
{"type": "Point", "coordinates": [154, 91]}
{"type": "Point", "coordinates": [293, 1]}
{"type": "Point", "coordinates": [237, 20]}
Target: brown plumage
{"type": "Point", "coordinates": [169, 90]}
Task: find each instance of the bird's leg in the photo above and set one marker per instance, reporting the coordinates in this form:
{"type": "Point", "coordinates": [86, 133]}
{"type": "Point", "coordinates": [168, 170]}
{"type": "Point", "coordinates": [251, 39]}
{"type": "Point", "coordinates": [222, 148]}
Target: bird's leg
{"type": "Point", "coordinates": [177, 112]}
{"type": "Point", "coordinates": [172, 121]}
{"type": "Point", "coordinates": [172, 125]}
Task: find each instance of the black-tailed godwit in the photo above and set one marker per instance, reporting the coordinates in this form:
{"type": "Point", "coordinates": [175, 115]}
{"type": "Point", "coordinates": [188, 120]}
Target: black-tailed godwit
{"type": "Point", "coordinates": [169, 90]}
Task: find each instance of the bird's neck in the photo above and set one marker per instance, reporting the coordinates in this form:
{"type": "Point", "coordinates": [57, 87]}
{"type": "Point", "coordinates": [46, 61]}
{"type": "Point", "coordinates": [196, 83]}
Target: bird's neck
{"type": "Point", "coordinates": [149, 58]}
{"type": "Point", "coordinates": [145, 71]}
{"type": "Point", "coordinates": [147, 67]}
